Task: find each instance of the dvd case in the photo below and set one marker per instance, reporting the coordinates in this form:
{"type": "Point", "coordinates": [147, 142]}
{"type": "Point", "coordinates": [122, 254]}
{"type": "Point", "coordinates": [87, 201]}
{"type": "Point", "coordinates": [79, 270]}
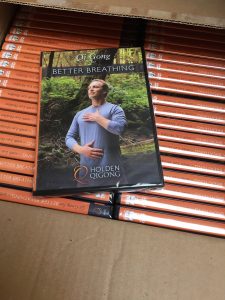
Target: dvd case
{"type": "Point", "coordinates": [183, 192]}
{"type": "Point", "coordinates": [18, 129]}
{"type": "Point", "coordinates": [167, 204]}
{"type": "Point", "coordinates": [198, 180]}
{"type": "Point", "coordinates": [186, 59]}
{"type": "Point", "coordinates": [16, 166]}
{"type": "Point", "coordinates": [185, 69]}
{"type": "Point", "coordinates": [193, 165]}
{"type": "Point", "coordinates": [17, 153]}
{"type": "Point", "coordinates": [191, 138]}
{"type": "Point", "coordinates": [181, 32]}
{"type": "Point", "coordinates": [16, 117]}
{"type": "Point", "coordinates": [189, 150]}
{"type": "Point", "coordinates": [170, 220]}
{"type": "Point", "coordinates": [96, 129]}
{"type": "Point", "coordinates": [72, 37]}
{"type": "Point", "coordinates": [18, 56]}
{"type": "Point", "coordinates": [12, 94]}
{"type": "Point", "coordinates": [184, 50]}
{"type": "Point", "coordinates": [190, 126]}
{"type": "Point", "coordinates": [17, 180]}
{"type": "Point", "coordinates": [189, 114]}
{"type": "Point", "coordinates": [186, 42]}
{"type": "Point", "coordinates": [192, 103]}
{"type": "Point", "coordinates": [18, 106]}
{"type": "Point", "coordinates": [75, 206]}
{"type": "Point", "coordinates": [17, 141]}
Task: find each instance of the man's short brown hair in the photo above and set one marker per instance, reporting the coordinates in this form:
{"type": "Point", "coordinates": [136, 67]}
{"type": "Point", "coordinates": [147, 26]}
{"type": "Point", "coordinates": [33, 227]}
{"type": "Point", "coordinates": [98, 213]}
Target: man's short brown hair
{"type": "Point", "coordinates": [105, 86]}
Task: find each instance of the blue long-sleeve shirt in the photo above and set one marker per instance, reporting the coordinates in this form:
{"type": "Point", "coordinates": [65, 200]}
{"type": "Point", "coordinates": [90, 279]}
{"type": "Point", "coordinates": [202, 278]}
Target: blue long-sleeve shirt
{"type": "Point", "coordinates": [105, 139]}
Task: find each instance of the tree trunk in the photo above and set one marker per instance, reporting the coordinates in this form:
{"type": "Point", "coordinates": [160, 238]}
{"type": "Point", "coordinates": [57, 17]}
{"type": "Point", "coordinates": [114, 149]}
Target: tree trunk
{"type": "Point", "coordinates": [49, 68]}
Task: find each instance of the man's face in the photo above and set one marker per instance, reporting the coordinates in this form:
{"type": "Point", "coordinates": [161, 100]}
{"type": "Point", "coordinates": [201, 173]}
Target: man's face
{"type": "Point", "coordinates": [95, 90]}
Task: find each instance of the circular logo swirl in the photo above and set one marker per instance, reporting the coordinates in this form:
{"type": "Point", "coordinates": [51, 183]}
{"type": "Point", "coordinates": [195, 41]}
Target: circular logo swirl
{"type": "Point", "coordinates": [79, 174]}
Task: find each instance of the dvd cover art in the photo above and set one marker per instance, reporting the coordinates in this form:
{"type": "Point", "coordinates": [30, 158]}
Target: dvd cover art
{"type": "Point", "coordinates": [97, 129]}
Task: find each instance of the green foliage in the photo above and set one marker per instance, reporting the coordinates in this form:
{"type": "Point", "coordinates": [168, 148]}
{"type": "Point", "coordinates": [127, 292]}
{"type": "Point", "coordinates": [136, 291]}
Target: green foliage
{"type": "Point", "coordinates": [138, 147]}
{"type": "Point", "coordinates": [84, 57]}
{"type": "Point", "coordinates": [128, 90]}
{"type": "Point", "coordinates": [63, 96]}
{"type": "Point", "coordinates": [63, 89]}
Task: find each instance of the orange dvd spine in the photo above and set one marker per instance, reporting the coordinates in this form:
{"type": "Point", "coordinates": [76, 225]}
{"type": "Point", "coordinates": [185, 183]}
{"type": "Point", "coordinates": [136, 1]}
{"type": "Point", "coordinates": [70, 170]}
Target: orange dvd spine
{"type": "Point", "coordinates": [188, 193]}
{"type": "Point", "coordinates": [185, 60]}
{"type": "Point", "coordinates": [17, 141]}
{"type": "Point", "coordinates": [188, 150]}
{"type": "Point", "coordinates": [36, 49]}
{"type": "Point", "coordinates": [172, 221]}
{"type": "Point", "coordinates": [186, 89]}
{"type": "Point", "coordinates": [12, 105]}
{"type": "Point", "coordinates": [190, 138]}
{"type": "Point", "coordinates": [189, 114]}
{"type": "Point", "coordinates": [183, 50]}
{"type": "Point", "coordinates": [18, 56]}
{"type": "Point", "coordinates": [63, 204]}
{"type": "Point", "coordinates": [18, 129]}
{"type": "Point", "coordinates": [194, 80]}
{"type": "Point", "coordinates": [18, 75]}
{"type": "Point", "coordinates": [77, 29]}
{"type": "Point", "coordinates": [193, 103]}
{"type": "Point", "coordinates": [155, 29]}
{"type": "Point", "coordinates": [190, 126]}
{"type": "Point", "coordinates": [26, 49]}
{"type": "Point", "coordinates": [17, 153]}
{"type": "Point", "coordinates": [194, 180]}
{"type": "Point", "coordinates": [172, 205]}
{"type": "Point", "coordinates": [19, 85]}
{"type": "Point", "coordinates": [11, 94]}
{"type": "Point", "coordinates": [188, 28]}
{"type": "Point", "coordinates": [17, 117]}
{"type": "Point", "coordinates": [185, 69]}
{"type": "Point", "coordinates": [94, 22]}
{"type": "Point", "coordinates": [21, 66]}
{"type": "Point", "coordinates": [50, 43]}
{"type": "Point", "coordinates": [16, 180]}
{"type": "Point", "coordinates": [186, 42]}
{"type": "Point", "coordinates": [64, 36]}
{"type": "Point", "coordinates": [25, 197]}
{"type": "Point", "coordinates": [16, 166]}
{"type": "Point", "coordinates": [192, 165]}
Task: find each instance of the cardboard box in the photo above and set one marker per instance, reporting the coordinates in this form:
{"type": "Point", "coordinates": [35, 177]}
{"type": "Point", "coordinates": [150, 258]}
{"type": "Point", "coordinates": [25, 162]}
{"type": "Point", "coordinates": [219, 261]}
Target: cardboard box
{"type": "Point", "coordinates": [47, 254]}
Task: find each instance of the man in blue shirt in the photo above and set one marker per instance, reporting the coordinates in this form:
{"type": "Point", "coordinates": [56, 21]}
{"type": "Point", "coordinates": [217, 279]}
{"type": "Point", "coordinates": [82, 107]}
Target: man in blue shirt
{"type": "Point", "coordinates": [98, 127]}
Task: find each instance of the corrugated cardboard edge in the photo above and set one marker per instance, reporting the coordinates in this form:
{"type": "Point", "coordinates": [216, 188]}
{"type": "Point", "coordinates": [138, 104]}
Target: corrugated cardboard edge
{"type": "Point", "coordinates": [196, 19]}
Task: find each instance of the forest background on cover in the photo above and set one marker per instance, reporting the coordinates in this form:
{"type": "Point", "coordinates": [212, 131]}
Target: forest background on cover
{"type": "Point", "coordinates": [62, 97]}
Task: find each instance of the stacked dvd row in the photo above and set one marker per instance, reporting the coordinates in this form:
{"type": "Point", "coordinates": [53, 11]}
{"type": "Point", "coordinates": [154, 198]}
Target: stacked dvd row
{"type": "Point", "coordinates": [19, 85]}
{"type": "Point", "coordinates": [186, 72]}
{"type": "Point", "coordinates": [186, 69]}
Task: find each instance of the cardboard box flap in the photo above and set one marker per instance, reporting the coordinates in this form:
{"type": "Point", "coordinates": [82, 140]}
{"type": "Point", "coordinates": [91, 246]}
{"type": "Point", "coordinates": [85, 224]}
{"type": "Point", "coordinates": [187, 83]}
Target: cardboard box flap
{"type": "Point", "coordinates": [198, 12]}
{"type": "Point", "coordinates": [47, 254]}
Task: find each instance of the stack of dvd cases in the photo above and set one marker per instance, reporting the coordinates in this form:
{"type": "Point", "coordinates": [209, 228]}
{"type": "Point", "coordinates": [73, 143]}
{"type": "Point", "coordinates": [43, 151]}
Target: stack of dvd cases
{"type": "Point", "coordinates": [186, 67]}
{"type": "Point", "coordinates": [19, 84]}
